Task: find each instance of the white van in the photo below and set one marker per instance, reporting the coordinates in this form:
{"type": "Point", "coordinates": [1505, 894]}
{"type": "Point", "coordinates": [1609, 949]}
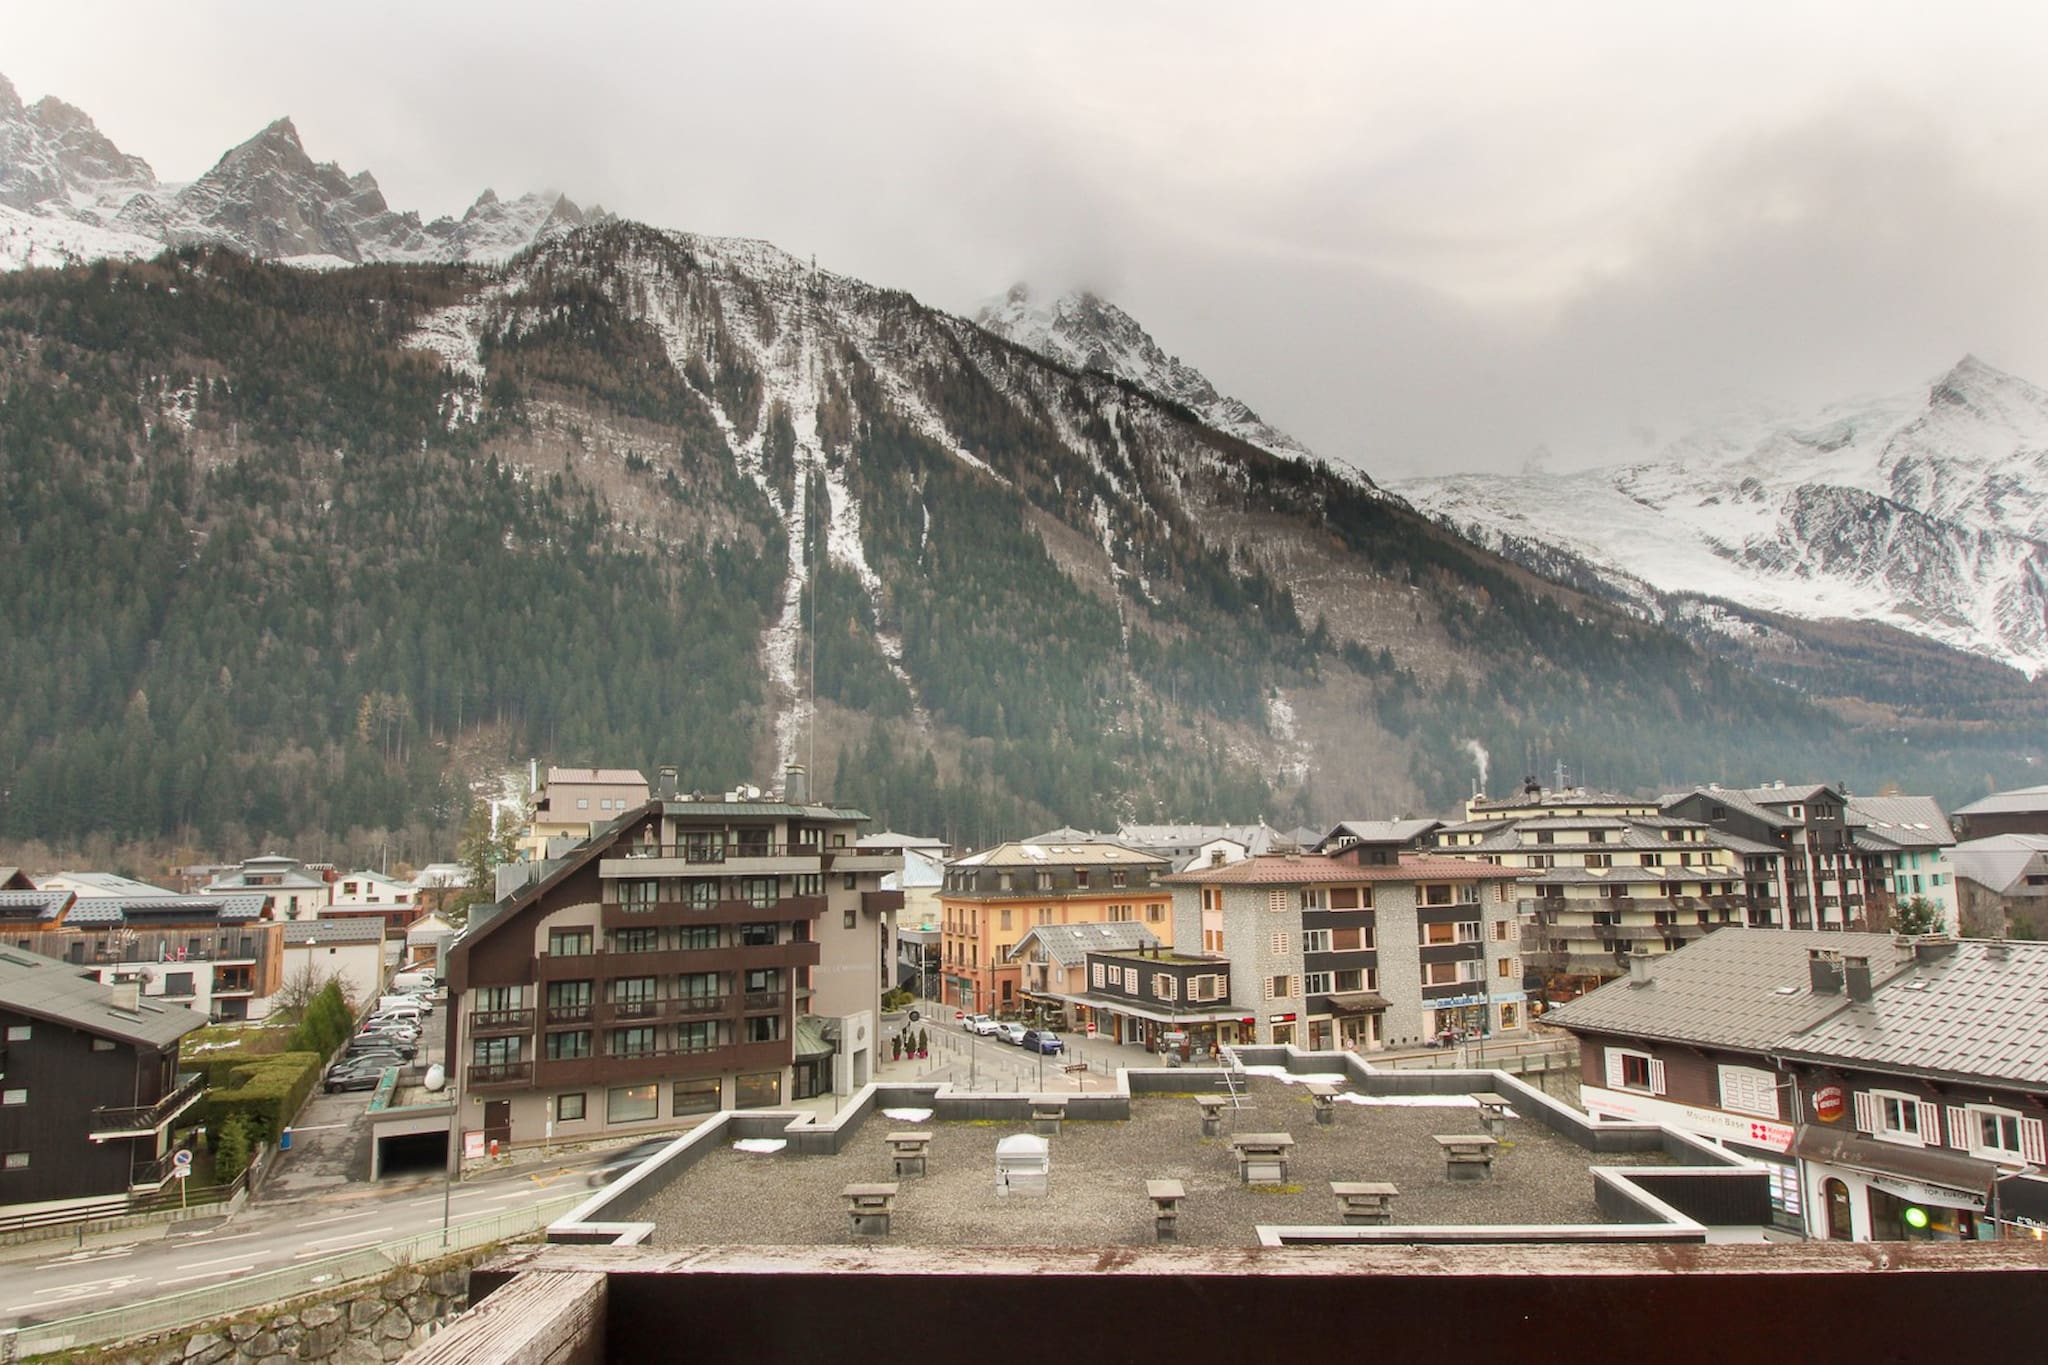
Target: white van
{"type": "Point", "coordinates": [402, 1007]}
{"type": "Point", "coordinates": [419, 981]}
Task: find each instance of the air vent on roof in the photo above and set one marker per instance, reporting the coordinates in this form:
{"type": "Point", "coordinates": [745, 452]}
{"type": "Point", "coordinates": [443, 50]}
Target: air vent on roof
{"type": "Point", "coordinates": [1786, 990]}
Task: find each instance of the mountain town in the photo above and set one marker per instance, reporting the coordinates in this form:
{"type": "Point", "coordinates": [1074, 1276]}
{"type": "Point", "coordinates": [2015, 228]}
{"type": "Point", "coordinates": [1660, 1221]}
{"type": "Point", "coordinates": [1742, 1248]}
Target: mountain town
{"type": "Point", "coordinates": [565, 781]}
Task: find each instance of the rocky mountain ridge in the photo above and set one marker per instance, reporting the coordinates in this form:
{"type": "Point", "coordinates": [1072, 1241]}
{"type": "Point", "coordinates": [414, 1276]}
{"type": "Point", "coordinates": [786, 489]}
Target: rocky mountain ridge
{"type": "Point", "coordinates": [1926, 512]}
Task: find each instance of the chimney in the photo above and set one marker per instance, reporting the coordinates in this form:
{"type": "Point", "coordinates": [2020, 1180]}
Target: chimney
{"type": "Point", "coordinates": [665, 782]}
{"type": "Point", "coordinates": [1933, 948]}
{"type": "Point", "coordinates": [1639, 968]}
{"type": "Point", "coordinates": [1856, 972]}
{"type": "Point", "coordinates": [796, 785]}
{"type": "Point", "coordinates": [127, 997]}
{"type": "Point", "coordinates": [1997, 950]}
{"type": "Point", "coordinates": [1823, 973]}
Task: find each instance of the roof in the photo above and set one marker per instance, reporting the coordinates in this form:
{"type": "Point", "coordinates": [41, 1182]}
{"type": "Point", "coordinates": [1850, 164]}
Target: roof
{"type": "Point", "coordinates": [2001, 860]}
{"type": "Point", "coordinates": [43, 907]}
{"type": "Point", "coordinates": [1258, 838]}
{"type": "Point", "coordinates": [1728, 989]}
{"type": "Point", "coordinates": [1057, 855]}
{"type": "Point", "coordinates": [1378, 831]}
{"type": "Point", "coordinates": [919, 870]}
{"type": "Point", "coordinates": [1065, 834]}
{"type": "Point", "coordinates": [299, 933]}
{"type": "Point", "coordinates": [1733, 800]}
{"type": "Point", "coordinates": [44, 988]}
{"type": "Point", "coordinates": [97, 912]}
{"type": "Point", "coordinates": [2020, 800]}
{"type": "Point", "coordinates": [104, 884]}
{"type": "Point", "coordinates": [757, 808]}
{"type": "Point", "coordinates": [1976, 1012]}
{"type": "Point", "coordinates": [613, 777]}
{"type": "Point", "coordinates": [1908, 821]}
{"type": "Point", "coordinates": [1298, 869]}
{"type": "Point", "coordinates": [888, 839]}
{"type": "Point", "coordinates": [1070, 944]}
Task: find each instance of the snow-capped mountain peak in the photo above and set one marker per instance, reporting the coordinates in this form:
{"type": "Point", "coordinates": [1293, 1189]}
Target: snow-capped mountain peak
{"type": "Point", "coordinates": [1085, 332]}
{"type": "Point", "coordinates": [52, 154]}
{"type": "Point", "coordinates": [1927, 511]}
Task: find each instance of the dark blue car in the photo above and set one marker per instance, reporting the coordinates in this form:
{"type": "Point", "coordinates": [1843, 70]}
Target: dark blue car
{"type": "Point", "coordinates": [1043, 1041]}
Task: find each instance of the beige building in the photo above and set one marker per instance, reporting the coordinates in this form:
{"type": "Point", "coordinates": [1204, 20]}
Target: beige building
{"type": "Point", "coordinates": [574, 801]}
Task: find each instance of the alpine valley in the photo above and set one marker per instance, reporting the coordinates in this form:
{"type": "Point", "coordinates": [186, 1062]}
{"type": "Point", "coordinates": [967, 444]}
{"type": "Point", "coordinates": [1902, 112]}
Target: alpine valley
{"type": "Point", "coordinates": [292, 550]}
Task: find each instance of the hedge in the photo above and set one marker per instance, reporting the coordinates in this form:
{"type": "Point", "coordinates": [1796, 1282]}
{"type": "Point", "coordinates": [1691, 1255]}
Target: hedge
{"type": "Point", "coordinates": [267, 1091]}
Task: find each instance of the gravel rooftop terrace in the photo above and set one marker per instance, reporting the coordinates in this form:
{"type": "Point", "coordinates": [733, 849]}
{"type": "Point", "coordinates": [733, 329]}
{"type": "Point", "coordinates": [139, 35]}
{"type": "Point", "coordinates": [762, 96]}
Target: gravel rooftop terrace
{"type": "Point", "coordinates": [1099, 1171]}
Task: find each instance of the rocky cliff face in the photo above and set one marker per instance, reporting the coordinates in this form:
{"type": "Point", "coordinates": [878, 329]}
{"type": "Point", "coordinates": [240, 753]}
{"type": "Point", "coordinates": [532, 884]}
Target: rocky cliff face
{"type": "Point", "coordinates": [52, 155]}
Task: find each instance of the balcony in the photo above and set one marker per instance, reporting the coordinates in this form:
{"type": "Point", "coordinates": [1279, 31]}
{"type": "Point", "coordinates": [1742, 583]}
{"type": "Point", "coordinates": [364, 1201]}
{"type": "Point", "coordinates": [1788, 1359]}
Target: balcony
{"type": "Point", "coordinates": [144, 1120]}
{"type": "Point", "coordinates": [633, 1011]}
{"type": "Point", "coordinates": [746, 859]}
{"type": "Point", "coordinates": [489, 1075]}
{"type": "Point", "coordinates": [880, 902]}
{"type": "Point", "coordinates": [665, 1064]}
{"type": "Point", "coordinates": [558, 1016]}
{"type": "Point", "coordinates": [764, 1000]}
{"type": "Point", "coordinates": [659, 914]}
{"type": "Point", "coordinates": [501, 1021]}
{"type": "Point", "coordinates": [683, 961]}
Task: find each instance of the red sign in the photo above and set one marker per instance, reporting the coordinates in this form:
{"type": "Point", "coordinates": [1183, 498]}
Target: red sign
{"type": "Point", "coordinates": [959, 1016]}
{"type": "Point", "coordinates": [1829, 1103]}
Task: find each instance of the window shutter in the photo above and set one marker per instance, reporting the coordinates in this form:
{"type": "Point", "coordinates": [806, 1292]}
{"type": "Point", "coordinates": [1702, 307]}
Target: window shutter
{"type": "Point", "coordinates": [1276, 901]}
{"type": "Point", "coordinates": [1866, 1112]}
{"type": "Point", "coordinates": [1656, 1077]}
{"type": "Point", "coordinates": [1614, 1081]}
{"type": "Point", "coordinates": [2031, 1142]}
{"type": "Point", "coordinates": [1959, 1127]}
{"type": "Point", "coordinates": [1268, 982]}
{"type": "Point", "coordinates": [1930, 1124]}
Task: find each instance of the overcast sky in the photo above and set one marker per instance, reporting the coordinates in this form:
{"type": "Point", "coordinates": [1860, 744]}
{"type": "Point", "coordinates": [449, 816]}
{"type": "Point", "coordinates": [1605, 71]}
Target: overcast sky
{"type": "Point", "coordinates": [1422, 237]}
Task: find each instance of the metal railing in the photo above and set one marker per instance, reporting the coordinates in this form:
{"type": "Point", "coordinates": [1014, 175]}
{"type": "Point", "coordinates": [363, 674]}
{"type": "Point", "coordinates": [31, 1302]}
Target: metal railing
{"type": "Point", "coordinates": [145, 1118]}
{"type": "Point", "coordinates": [500, 1073]}
{"type": "Point", "coordinates": [250, 1291]}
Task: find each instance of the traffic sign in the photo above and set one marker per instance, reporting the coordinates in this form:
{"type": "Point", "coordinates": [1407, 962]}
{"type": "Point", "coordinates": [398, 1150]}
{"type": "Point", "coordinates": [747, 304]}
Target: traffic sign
{"type": "Point", "coordinates": [959, 1016]}
{"type": "Point", "coordinates": [182, 1160]}
{"type": "Point", "coordinates": [180, 1172]}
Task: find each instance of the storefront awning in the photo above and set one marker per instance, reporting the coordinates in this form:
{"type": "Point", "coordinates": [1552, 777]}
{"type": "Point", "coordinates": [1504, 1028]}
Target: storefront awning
{"type": "Point", "coordinates": [1939, 1170]}
{"type": "Point", "coordinates": [1186, 1015]}
{"type": "Point", "coordinates": [1355, 1002]}
{"type": "Point", "coordinates": [811, 1041]}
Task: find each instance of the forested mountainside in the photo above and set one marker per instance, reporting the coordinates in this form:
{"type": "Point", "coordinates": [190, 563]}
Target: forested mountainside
{"type": "Point", "coordinates": [289, 552]}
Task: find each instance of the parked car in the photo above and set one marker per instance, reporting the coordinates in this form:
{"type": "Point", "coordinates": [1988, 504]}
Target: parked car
{"type": "Point", "coordinates": [1041, 1040]}
{"type": "Point", "coordinates": [981, 1024]}
{"type": "Point", "coordinates": [1012, 1034]}
{"type": "Point", "coordinates": [356, 1076]}
{"type": "Point", "coordinates": [396, 1047]}
{"type": "Point", "coordinates": [618, 1163]}
{"type": "Point", "coordinates": [393, 1026]}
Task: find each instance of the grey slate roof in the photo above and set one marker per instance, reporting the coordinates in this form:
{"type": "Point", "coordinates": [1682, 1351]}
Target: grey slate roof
{"type": "Point", "coordinates": [1981, 1012]}
{"type": "Point", "coordinates": [98, 912]}
{"type": "Point", "coordinates": [1725, 989]}
{"type": "Point", "coordinates": [44, 988]}
{"type": "Point", "coordinates": [40, 906]}
{"type": "Point", "coordinates": [2001, 860]}
{"type": "Point", "coordinates": [1908, 821]}
{"type": "Point", "coordinates": [2019, 800]}
{"type": "Point", "coordinates": [346, 929]}
{"type": "Point", "coordinates": [1376, 832]}
{"type": "Point", "coordinates": [1734, 799]}
{"type": "Point", "coordinates": [1070, 944]}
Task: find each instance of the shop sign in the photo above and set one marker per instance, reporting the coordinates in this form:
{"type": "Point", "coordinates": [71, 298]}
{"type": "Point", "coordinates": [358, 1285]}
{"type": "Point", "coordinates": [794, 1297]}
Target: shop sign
{"type": "Point", "coordinates": [1456, 1002]}
{"type": "Point", "coordinates": [1829, 1103]}
{"type": "Point", "coordinates": [1277, 1019]}
{"type": "Point", "coordinates": [1938, 1195]}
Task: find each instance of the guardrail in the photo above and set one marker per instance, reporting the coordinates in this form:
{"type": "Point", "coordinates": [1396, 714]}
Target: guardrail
{"type": "Point", "coordinates": [174, 1311]}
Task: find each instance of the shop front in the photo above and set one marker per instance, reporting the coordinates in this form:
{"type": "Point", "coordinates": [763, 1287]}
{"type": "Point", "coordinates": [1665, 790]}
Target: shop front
{"type": "Point", "coordinates": [1353, 1022]}
{"type": "Point", "coordinates": [1865, 1190]}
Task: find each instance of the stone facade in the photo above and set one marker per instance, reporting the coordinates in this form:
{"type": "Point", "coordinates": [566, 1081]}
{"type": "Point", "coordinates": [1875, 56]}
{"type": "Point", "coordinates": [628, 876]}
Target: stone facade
{"type": "Point", "coordinates": [371, 1323]}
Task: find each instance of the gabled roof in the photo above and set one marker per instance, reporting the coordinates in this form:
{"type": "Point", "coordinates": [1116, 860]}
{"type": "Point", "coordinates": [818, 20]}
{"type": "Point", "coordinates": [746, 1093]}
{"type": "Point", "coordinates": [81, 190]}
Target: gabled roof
{"type": "Point", "coordinates": [1313, 869]}
{"type": "Point", "coordinates": [889, 839]}
{"type": "Point", "coordinates": [33, 907]}
{"type": "Point", "coordinates": [1915, 822]}
{"type": "Point", "coordinates": [2018, 801]}
{"type": "Point", "coordinates": [1733, 799]}
{"type": "Point", "coordinates": [348, 929]}
{"type": "Point", "coordinates": [44, 988]}
{"type": "Point", "coordinates": [1738, 988]}
{"type": "Point", "coordinates": [1376, 832]}
{"type": "Point", "coordinates": [100, 912]}
{"type": "Point", "coordinates": [1070, 944]}
{"type": "Point", "coordinates": [2001, 860]}
{"type": "Point", "coordinates": [105, 884]}
{"type": "Point", "coordinates": [609, 777]}
{"type": "Point", "coordinates": [1035, 855]}
{"type": "Point", "coordinates": [1979, 1012]}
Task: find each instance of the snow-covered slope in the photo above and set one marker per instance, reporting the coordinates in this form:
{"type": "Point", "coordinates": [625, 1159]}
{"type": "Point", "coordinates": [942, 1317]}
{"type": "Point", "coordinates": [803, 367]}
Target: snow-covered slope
{"type": "Point", "coordinates": [1088, 333]}
{"type": "Point", "coordinates": [1927, 511]}
{"type": "Point", "coordinates": [68, 193]}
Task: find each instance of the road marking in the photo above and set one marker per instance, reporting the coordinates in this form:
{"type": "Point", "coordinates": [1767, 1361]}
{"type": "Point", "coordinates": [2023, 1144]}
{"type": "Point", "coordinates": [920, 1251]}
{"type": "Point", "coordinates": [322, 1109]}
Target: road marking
{"type": "Point", "coordinates": [334, 1218]}
{"type": "Point", "coordinates": [208, 1274]}
{"type": "Point", "coordinates": [359, 1232]}
{"type": "Point", "coordinates": [194, 1265]}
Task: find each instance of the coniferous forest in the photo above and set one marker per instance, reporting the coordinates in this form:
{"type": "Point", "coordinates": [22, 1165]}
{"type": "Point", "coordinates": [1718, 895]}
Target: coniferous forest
{"type": "Point", "coordinates": [270, 574]}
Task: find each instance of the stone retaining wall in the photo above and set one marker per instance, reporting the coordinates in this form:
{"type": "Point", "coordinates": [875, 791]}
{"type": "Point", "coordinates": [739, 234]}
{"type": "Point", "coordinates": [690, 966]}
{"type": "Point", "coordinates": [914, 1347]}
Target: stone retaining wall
{"type": "Point", "coordinates": [370, 1322]}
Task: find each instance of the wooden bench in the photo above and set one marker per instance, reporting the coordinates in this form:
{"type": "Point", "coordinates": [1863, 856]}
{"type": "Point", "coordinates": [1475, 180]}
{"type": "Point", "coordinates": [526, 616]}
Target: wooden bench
{"type": "Point", "coordinates": [1212, 1113]}
{"type": "Point", "coordinates": [1364, 1203]}
{"type": "Point", "coordinates": [1467, 1156]}
{"type": "Point", "coordinates": [908, 1150]}
{"type": "Point", "coordinates": [1262, 1157]}
{"type": "Point", "coordinates": [1165, 1196]}
{"type": "Point", "coordinates": [869, 1207]}
{"type": "Point", "coordinates": [1046, 1116]}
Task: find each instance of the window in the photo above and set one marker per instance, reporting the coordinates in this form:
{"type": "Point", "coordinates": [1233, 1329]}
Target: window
{"type": "Point", "coordinates": [570, 1108]}
{"type": "Point", "coordinates": [1003, 917]}
{"type": "Point", "coordinates": [1894, 1117]}
{"type": "Point", "coordinates": [1651, 859]}
{"type": "Point", "coordinates": [1510, 1015]}
{"type": "Point", "coordinates": [699, 1036]}
{"type": "Point", "coordinates": [1436, 893]}
{"type": "Point", "coordinates": [757, 935]}
{"type": "Point", "coordinates": [1315, 941]}
{"type": "Point", "coordinates": [14, 1161]}
{"type": "Point", "coordinates": [643, 940]}
{"type": "Point", "coordinates": [1634, 1071]}
{"type": "Point", "coordinates": [703, 893]}
{"type": "Point", "coordinates": [698, 936]}
{"type": "Point", "coordinates": [1504, 967]}
{"type": "Point", "coordinates": [1280, 988]}
{"type": "Point", "coordinates": [1155, 911]}
{"type": "Point", "coordinates": [1599, 860]}
{"type": "Point", "coordinates": [765, 1028]}
{"type": "Point", "coordinates": [810, 884]}
{"type": "Point", "coordinates": [1164, 987]}
{"type": "Point", "coordinates": [496, 1051]}
{"type": "Point", "coordinates": [1042, 881]}
{"type": "Point", "coordinates": [1435, 935]}
{"type": "Point", "coordinates": [635, 990]}
{"type": "Point", "coordinates": [13, 1097]}
{"type": "Point", "coordinates": [851, 881]}
{"type": "Point", "coordinates": [582, 803]}
{"type": "Point", "coordinates": [1313, 898]}
{"type": "Point", "coordinates": [631, 1042]}
{"type": "Point", "coordinates": [1544, 836]}
{"type": "Point", "coordinates": [847, 920]}
{"type": "Point", "coordinates": [1502, 930]}
{"type": "Point", "coordinates": [696, 1097]}
{"type": "Point", "coordinates": [698, 986]}
{"type": "Point", "coordinates": [1131, 980]}
{"type": "Point", "coordinates": [1081, 878]}
{"type": "Point", "coordinates": [1996, 1133]}
{"type": "Point", "coordinates": [1749, 1090]}
{"type": "Point", "coordinates": [1449, 973]}
{"type": "Point", "coordinates": [1318, 983]}
{"type": "Point", "coordinates": [631, 1103]}
{"type": "Point", "coordinates": [568, 1044]}
{"type": "Point", "coordinates": [1280, 944]}
{"type": "Point", "coordinates": [762, 1090]}
{"type": "Point", "coordinates": [1118, 879]}
{"type": "Point", "coordinates": [568, 942]}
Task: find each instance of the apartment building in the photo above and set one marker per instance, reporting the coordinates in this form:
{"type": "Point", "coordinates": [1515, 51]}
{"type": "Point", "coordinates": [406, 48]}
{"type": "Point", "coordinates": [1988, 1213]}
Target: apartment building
{"type": "Point", "coordinates": [89, 1086]}
{"type": "Point", "coordinates": [1364, 948]}
{"type": "Point", "coordinates": [1820, 879]}
{"type": "Point", "coordinates": [2002, 885]}
{"type": "Point", "coordinates": [991, 899]}
{"type": "Point", "coordinates": [1893, 1087]}
{"type": "Point", "coordinates": [1606, 876]}
{"type": "Point", "coordinates": [221, 956]}
{"type": "Point", "coordinates": [1907, 840]}
{"type": "Point", "coordinates": [691, 956]}
{"type": "Point", "coordinates": [572, 802]}
{"type": "Point", "coordinates": [297, 890]}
